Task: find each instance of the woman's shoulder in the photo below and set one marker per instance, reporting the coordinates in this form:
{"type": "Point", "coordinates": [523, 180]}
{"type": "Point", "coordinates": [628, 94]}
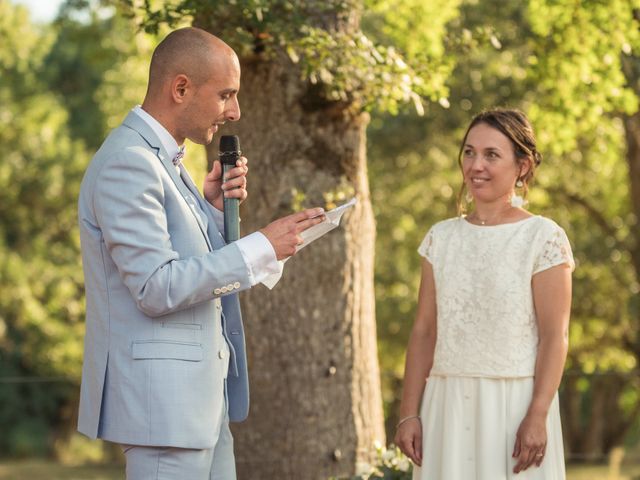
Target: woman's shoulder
{"type": "Point", "coordinates": [437, 231]}
{"type": "Point", "coordinates": [447, 224]}
{"type": "Point", "coordinates": [545, 224]}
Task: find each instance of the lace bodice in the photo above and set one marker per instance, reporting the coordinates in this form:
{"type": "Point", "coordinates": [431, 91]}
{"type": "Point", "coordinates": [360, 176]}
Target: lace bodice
{"type": "Point", "coordinates": [486, 319]}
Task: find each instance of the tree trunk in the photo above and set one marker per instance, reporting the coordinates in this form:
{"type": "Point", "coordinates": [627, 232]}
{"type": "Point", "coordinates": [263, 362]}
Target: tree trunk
{"type": "Point", "coordinates": [632, 136]}
{"type": "Point", "coordinates": [594, 420]}
{"type": "Point", "coordinates": [315, 391]}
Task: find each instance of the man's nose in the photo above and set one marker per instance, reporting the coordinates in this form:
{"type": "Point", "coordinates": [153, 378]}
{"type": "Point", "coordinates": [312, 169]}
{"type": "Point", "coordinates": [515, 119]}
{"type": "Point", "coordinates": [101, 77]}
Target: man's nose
{"type": "Point", "coordinates": [233, 112]}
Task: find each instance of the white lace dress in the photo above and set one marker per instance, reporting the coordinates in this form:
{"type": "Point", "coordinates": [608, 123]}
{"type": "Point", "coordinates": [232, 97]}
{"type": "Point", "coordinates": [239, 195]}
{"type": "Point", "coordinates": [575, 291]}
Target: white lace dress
{"type": "Point", "coordinates": [481, 383]}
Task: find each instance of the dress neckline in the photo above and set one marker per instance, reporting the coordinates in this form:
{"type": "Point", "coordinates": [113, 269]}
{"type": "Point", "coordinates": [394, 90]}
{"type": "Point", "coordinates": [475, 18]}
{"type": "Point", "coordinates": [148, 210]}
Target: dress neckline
{"type": "Point", "coordinates": [517, 222]}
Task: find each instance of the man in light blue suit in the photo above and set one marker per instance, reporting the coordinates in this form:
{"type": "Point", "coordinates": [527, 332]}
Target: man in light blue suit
{"type": "Point", "coordinates": [164, 364]}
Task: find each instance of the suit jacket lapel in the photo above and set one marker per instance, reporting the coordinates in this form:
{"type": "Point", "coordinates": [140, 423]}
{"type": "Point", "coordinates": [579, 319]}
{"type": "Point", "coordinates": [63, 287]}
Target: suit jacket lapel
{"type": "Point", "coordinates": [215, 236]}
{"type": "Point", "coordinates": [136, 123]}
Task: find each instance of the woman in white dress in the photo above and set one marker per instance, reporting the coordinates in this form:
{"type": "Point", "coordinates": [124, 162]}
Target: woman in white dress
{"type": "Point", "coordinates": [490, 333]}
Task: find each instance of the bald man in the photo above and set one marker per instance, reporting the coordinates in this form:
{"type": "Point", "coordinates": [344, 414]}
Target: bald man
{"type": "Point", "coordinates": [164, 363]}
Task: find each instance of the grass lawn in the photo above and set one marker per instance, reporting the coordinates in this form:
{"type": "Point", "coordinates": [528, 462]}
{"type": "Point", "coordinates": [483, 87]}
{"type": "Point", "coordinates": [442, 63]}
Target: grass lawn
{"type": "Point", "coordinates": [46, 470]}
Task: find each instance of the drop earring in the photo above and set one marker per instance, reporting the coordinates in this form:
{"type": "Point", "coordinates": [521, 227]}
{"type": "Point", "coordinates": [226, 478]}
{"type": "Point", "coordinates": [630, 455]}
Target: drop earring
{"type": "Point", "coordinates": [517, 200]}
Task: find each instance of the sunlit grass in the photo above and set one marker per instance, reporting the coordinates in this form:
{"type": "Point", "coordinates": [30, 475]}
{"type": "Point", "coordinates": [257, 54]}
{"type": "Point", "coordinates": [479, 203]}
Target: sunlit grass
{"type": "Point", "coordinates": [47, 470]}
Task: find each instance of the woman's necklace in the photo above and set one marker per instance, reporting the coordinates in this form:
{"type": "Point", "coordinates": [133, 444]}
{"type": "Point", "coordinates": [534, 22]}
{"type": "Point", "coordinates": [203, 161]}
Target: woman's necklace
{"type": "Point", "coordinates": [493, 220]}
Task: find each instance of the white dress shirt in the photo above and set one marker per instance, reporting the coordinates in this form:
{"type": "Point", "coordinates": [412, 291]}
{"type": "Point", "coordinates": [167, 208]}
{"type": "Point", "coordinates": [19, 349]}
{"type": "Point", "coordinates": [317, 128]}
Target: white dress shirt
{"type": "Point", "coordinates": [256, 250]}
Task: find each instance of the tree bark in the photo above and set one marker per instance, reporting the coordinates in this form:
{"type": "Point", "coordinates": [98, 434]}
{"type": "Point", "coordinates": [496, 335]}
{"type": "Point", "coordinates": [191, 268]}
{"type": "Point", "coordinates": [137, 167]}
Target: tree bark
{"type": "Point", "coordinates": [632, 136]}
{"type": "Point", "coordinates": [316, 405]}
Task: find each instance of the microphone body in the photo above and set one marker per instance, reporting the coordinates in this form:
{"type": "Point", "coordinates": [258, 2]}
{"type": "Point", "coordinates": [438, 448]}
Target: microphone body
{"type": "Point", "coordinates": [229, 155]}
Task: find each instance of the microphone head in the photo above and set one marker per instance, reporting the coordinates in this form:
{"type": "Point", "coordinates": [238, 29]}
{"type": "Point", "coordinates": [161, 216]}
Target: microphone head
{"type": "Point", "coordinates": [229, 149]}
{"type": "Point", "coordinates": [229, 143]}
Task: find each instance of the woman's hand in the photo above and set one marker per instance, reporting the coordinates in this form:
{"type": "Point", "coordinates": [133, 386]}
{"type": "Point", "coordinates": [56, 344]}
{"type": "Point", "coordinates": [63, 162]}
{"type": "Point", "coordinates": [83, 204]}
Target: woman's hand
{"type": "Point", "coordinates": [531, 442]}
{"type": "Point", "coordinates": [409, 439]}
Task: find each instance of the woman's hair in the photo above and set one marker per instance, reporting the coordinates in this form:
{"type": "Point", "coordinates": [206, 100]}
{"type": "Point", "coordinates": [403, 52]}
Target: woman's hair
{"type": "Point", "coordinates": [515, 125]}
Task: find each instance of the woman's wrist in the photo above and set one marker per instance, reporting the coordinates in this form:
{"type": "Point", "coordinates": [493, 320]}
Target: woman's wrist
{"type": "Point", "coordinates": [538, 408]}
{"type": "Point", "coordinates": [406, 419]}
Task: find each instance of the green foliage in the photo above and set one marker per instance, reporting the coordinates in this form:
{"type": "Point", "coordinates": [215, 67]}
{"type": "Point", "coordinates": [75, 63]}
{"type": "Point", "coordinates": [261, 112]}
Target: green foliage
{"type": "Point", "coordinates": [323, 40]}
{"type": "Point", "coordinates": [49, 83]}
{"type": "Point", "coordinates": [575, 63]}
{"type": "Point", "coordinates": [40, 275]}
{"type": "Point", "coordinates": [98, 65]}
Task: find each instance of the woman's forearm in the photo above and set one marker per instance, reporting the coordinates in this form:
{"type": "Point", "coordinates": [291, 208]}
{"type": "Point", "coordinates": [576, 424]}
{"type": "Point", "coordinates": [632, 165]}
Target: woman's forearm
{"type": "Point", "coordinates": [418, 365]}
{"type": "Point", "coordinates": [552, 353]}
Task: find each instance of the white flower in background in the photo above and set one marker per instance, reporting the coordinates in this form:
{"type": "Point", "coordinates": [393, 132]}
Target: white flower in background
{"type": "Point", "coordinates": [388, 455]}
{"type": "Point", "coordinates": [364, 469]}
{"type": "Point", "coordinates": [404, 464]}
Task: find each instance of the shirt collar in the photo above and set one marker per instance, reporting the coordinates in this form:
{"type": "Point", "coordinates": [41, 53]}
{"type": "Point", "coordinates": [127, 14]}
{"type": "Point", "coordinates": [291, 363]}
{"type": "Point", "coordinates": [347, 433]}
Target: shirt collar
{"type": "Point", "coordinates": [168, 142]}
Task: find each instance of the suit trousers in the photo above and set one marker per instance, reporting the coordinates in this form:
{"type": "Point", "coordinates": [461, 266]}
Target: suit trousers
{"type": "Point", "coordinates": [171, 463]}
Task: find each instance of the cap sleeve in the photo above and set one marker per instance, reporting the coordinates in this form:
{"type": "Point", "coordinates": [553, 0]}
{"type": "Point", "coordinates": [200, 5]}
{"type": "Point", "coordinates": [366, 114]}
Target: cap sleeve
{"type": "Point", "coordinates": [555, 250]}
{"type": "Point", "coordinates": [426, 247]}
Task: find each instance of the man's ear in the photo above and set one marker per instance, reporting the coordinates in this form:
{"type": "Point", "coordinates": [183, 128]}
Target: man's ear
{"type": "Point", "coordinates": [180, 88]}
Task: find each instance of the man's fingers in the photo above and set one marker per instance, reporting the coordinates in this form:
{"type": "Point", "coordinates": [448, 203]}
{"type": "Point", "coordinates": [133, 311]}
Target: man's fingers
{"type": "Point", "coordinates": [240, 193]}
{"type": "Point", "coordinates": [235, 183]}
{"type": "Point", "coordinates": [305, 224]}
{"type": "Point", "coordinates": [306, 214]}
{"type": "Point", "coordinates": [236, 172]}
{"type": "Point", "coordinates": [216, 171]}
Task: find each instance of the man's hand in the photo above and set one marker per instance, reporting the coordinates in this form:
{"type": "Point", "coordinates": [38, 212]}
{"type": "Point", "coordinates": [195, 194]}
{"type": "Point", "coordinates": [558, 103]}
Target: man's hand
{"type": "Point", "coordinates": [234, 186]}
{"type": "Point", "coordinates": [284, 233]}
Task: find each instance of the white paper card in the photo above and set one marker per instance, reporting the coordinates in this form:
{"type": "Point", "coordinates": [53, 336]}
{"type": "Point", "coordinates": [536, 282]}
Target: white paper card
{"type": "Point", "coordinates": [331, 221]}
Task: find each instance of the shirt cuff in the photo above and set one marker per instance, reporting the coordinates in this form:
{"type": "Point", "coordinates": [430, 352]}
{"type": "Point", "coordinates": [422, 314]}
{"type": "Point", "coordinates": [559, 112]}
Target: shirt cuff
{"type": "Point", "coordinates": [259, 256]}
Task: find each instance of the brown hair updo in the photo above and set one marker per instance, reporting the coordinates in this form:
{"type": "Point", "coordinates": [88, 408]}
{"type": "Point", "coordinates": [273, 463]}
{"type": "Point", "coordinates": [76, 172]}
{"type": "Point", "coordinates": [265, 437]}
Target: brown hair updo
{"type": "Point", "coordinates": [515, 125]}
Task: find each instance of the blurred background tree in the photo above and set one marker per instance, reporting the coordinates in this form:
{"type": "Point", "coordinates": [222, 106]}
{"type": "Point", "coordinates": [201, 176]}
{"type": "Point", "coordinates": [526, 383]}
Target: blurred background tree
{"type": "Point", "coordinates": [573, 67]}
{"type": "Point", "coordinates": [41, 304]}
{"type": "Point", "coordinates": [54, 110]}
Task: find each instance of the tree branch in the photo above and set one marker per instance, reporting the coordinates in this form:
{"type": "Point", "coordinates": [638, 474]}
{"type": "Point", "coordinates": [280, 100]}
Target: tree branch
{"type": "Point", "coordinates": [594, 213]}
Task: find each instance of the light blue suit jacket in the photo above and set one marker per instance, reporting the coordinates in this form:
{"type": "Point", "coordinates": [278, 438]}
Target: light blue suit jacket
{"type": "Point", "coordinates": [160, 336]}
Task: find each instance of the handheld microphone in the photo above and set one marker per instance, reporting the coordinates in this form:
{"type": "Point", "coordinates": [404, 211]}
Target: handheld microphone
{"type": "Point", "coordinates": [229, 155]}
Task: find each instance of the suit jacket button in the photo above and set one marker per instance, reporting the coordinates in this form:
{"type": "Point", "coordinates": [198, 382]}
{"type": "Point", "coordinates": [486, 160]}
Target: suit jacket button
{"type": "Point", "coordinates": [217, 291]}
{"type": "Point", "coordinates": [236, 285]}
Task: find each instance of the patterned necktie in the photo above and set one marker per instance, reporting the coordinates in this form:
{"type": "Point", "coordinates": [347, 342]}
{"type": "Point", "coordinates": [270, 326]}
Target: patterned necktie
{"type": "Point", "coordinates": [177, 160]}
